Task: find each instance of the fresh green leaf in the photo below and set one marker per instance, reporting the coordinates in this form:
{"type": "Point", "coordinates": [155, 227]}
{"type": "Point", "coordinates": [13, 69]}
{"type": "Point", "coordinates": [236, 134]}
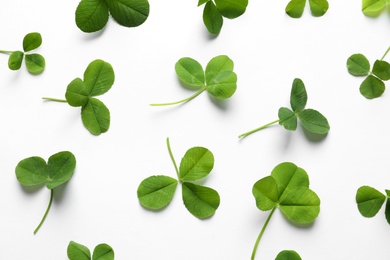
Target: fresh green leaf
{"type": "Point", "coordinates": [288, 255]}
{"type": "Point", "coordinates": [216, 65]}
{"type": "Point", "coordinates": [287, 118]}
{"type": "Point", "coordinates": [201, 2]}
{"type": "Point", "coordinates": [212, 19]}
{"type": "Point", "coordinates": [35, 63]}
{"type": "Point", "coordinates": [223, 85]}
{"type": "Point", "coordinates": [190, 72]}
{"type": "Point", "coordinates": [15, 60]}
{"type": "Point", "coordinates": [358, 65]}
{"type": "Point", "coordinates": [196, 164]}
{"type": "Point", "coordinates": [387, 211]}
{"type": "Point", "coordinates": [129, 13]}
{"type": "Point", "coordinates": [32, 41]}
{"type": "Point", "coordinates": [202, 202]}
{"type": "Point", "coordinates": [92, 15]}
{"type": "Point", "coordinates": [98, 77]}
{"type": "Point", "coordinates": [295, 8]}
{"type": "Point", "coordinates": [76, 93]}
{"type": "Point", "coordinates": [298, 97]}
{"type": "Point", "coordinates": [95, 116]}
{"type": "Point", "coordinates": [156, 192]}
{"type": "Point", "coordinates": [32, 171]}
{"type": "Point", "coordinates": [300, 205]}
{"type": "Point", "coordinates": [77, 251]}
{"type": "Point", "coordinates": [60, 168]}
{"type": "Point", "coordinates": [372, 87]}
{"type": "Point", "coordinates": [373, 7]}
{"type": "Point", "coordinates": [266, 193]}
{"type": "Point", "coordinates": [231, 8]}
{"type": "Point", "coordinates": [314, 121]}
{"type": "Point", "coordinates": [369, 201]}
{"type": "Point", "coordinates": [381, 69]}
{"type": "Point", "coordinates": [318, 7]}
{"type": "Point", "coordinates": [287, 188]}
{"type": "Point", "coordinates": [288, 176]}
{"type": "Point", "coordinates": [103, 252]}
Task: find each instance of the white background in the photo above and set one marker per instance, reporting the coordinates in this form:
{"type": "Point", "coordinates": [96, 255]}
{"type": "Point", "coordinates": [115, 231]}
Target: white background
{"type": "Point", "coordinates": [99, 204]}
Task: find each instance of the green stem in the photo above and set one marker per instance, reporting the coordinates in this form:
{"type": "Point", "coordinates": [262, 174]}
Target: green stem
{"type": "Point", "coordinates": [257, 129]}
{"type": "Point", "coordinates": [47, 211]}
{"type": "Point", "coordinates": [181, 101]}
{"type": "Point", "coordinates": [261, 234]}
{"type": "Point", "coordinates": [55, 99]}
{"type": "Point", "coordinates": [384, 55]}
{"type": "Point", "coordinates": [173, 159]}
{"type": "Point", "coordinates": [6, 52]}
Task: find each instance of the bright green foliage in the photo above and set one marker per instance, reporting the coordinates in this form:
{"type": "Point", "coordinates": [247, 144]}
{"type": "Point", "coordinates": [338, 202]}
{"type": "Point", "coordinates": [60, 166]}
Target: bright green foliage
{"type": "Point", "coordinates": [215, 10]}
{"type": "Point", "coordinates": [35, 171]}
{"type": "Point", "coordinates": [35, 63]}
{"type": "Point", "coordinates": [98, 79]}
{"type": "Point", "coordinates": [287, 188]}
{"type": "Point", "coordinates": [373, 8]}
{"type": "Point", "coordinates": [156, 192]}
{"type": "Point", "coordinates": [288, 255]}
{"type": "Point", "coordinates": [77, 251]}
{"type": "Point", "coordinates": [295, 7]}
{"type": "Point", "coordinates": [370, 201]}
{"type": "Point", "coordinates": [312, 120]}
{"type": "Point", "coordinates": [218, 79]}
{"type": "Point", "coordinates": [92, 15]}
{"type": "Point", "coordinates": [373, 85]}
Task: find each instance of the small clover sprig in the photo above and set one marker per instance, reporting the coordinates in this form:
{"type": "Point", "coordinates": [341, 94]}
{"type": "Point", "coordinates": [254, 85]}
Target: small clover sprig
{"type": "Point", "coordinates": [76, 251]}
{"type": "Point", "coordinates": [34, 171]}
{"type": "Point", "coordinates": [213, 13]}
{"type": "Point", "coordinates": [370, 201]}
{"type": "Point", "coordinates": [295, 7]}
{"type": "Point", "coordinates": [373, 8]}
{"type": "Point", "coordinates": [156, 192]}
{"type": "Point", "coordinates": [373, 85]}
{"type": "Point", "coordinates": [218, 79]}
{"type": "Point", "coordinates": [92, 15]}
{"type": "Point", "coordinates": [35, 62]}
{"type": "Point", "coordinates": [98, 79]}
{"type": "Point", "coordinates": [287, 188]}
{"type": "Point", "coordinates": [312, 120]}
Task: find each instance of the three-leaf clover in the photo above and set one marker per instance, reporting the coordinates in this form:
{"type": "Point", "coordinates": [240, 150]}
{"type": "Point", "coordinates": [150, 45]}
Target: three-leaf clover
{"type": "Point", "coordinates": [156, 192]}
{"type": "Point", "coordinates": [218, 79]}
{"type": "Point", "coordinates": [92, 15]}
{"type": "Point", "coordinates": [295, 7]}
{"type": "Point", "coordinates": [34, 171]}
{"type": "Point", "coordinates": [373, 85]}
{"type": "Point", "coordinates": [312, 120]}
{"type": "Point", "coordinates": [215, 10]}
{"type": "Point", "coordinates": [288, 255]}
{"type": "Point", "coordinates": [35, 63]}
{"type": "Point", "coordinates": [370, 201]}
{"type": "Point", "coordinates": [98, 79]}
{"type": "Point", "coordinates": [373, 8]}
{"type": "Point", "coordinates": [287, 188]}
{"type": "Point", "coordinates": [78, 251]}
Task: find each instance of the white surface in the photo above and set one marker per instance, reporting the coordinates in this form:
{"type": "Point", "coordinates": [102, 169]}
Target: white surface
{"type": "Point", "coordinates": [269, 49]}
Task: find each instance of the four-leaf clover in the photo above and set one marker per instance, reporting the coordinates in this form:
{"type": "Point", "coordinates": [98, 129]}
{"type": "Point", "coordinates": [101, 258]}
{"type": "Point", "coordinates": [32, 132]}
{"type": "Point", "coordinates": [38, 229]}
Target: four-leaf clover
{"type": "Point", "coordinates": [370, 201]}
{"type": "Point", "coordinates": [295, 7]}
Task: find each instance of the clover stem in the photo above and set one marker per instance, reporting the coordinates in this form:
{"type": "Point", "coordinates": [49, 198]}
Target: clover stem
{"type": "Point", "coordinates": [6, 52]}
{"type": "Point", "coordinates": [47, 211]}
{"type": "Point", "coordinates": [173, 159]}
{"type": "Point", "coordinates": [257, 129]}
{"type": "Point", "coordinates": [181, 101]}
{"type": "Point", "coordinates": [261, 234]}
{"type": "Point", "coordinates": [384, 55]}
{"type": "Point", "coordinates": [55, 99]}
